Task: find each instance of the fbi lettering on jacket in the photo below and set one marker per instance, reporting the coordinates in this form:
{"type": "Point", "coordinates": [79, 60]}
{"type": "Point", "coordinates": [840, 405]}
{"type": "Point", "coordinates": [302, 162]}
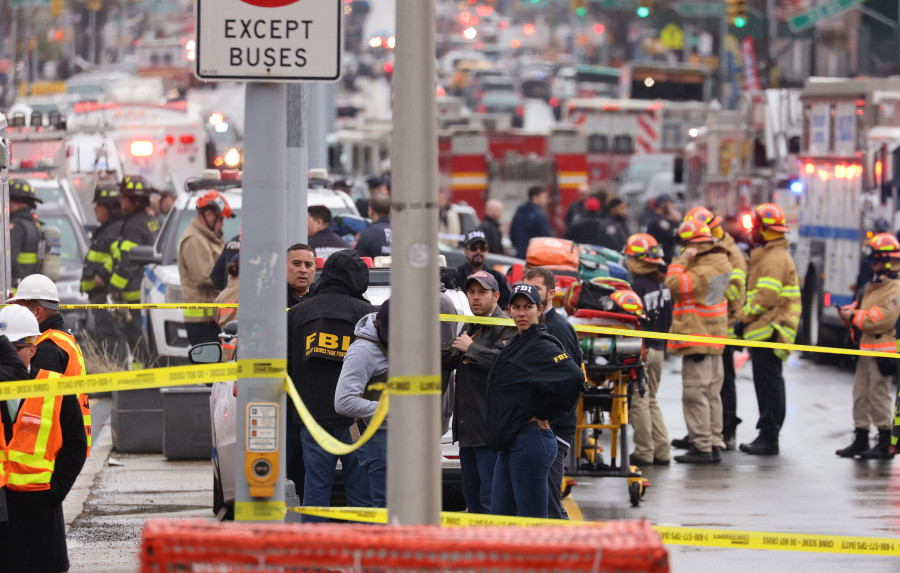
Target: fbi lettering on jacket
{"type": "Point", "coordinates": [327, 345]}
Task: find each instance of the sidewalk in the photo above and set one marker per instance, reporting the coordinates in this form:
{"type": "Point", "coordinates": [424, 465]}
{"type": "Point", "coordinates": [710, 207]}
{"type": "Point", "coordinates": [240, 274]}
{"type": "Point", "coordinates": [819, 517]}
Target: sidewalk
{"type": "Point", "coordinates": [108, 505]}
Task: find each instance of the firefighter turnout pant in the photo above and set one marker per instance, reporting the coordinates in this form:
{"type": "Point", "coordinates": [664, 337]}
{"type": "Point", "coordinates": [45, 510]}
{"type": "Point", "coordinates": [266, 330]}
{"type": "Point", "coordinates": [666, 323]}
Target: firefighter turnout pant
{"type": "Point", "coordinates": [651, 440]}
{"type": "Point", "coordinates": [872, 403]}
{"type": "Point", "coordinates": [701, 378]}
{"type": "Point", "coordinates": [769, 384]}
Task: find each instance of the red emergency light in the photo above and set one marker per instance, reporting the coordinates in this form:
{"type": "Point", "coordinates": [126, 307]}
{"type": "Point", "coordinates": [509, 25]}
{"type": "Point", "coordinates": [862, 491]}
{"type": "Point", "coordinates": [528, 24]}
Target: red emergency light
{"type": "Point", "coordinates": [186, 139]}
{"type": "Point", "coordinates": [230, 175]}
{"type": "Point", "coordinates": [747, 221]}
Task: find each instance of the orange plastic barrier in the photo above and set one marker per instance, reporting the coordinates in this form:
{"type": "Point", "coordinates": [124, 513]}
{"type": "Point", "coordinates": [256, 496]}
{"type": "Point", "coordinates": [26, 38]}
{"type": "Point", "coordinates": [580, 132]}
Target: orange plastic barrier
{"type": "Point", "coordinates": [198, 545]}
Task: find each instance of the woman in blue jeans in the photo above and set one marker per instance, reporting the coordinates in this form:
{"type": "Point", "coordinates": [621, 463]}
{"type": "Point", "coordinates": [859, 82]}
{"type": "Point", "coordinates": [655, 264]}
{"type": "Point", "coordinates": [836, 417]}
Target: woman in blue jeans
{"type": "Point", "coordinates": [532, 381]}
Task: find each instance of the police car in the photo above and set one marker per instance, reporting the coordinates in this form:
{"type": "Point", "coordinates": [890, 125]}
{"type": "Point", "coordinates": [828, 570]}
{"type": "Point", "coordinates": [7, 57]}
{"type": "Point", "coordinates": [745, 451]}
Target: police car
{"type": "Point", "coordinates": [164, 328]}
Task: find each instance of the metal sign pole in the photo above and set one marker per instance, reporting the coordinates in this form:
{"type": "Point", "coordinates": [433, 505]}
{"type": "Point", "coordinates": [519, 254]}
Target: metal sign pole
{"type": "Point", "coordinates": [259, 494]}
{"type": "Point", "coordinates": [414, 434]}
{"type": "Point", "coordinates": [298, 164]}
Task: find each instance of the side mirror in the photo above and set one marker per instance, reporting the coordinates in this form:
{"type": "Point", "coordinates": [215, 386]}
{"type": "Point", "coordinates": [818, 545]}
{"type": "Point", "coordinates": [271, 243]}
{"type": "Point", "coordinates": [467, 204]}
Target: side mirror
{"type": "Point", "coordinates": [205, 353]}
{"type": "Point", "coordinates": [144, 255]}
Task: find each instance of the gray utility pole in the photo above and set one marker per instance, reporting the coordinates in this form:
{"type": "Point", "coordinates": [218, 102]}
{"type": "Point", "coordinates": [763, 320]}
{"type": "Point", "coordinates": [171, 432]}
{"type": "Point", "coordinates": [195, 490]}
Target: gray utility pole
{"type": "Point", "coordinates": [414, 434]}
{"type": "Point", "coordinates": [263, 332]}
{"type": "Point", "coordinates": [321, 114]}
{"type": "Point", "coordinates": [298, 166]}
{"type": "Point", "coordinates": [723, 59]}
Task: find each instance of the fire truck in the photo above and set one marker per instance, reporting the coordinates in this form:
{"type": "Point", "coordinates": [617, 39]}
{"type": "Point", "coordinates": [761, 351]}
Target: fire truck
{"type": "Point", "coordinates": [848, 166]}
{"type": "Point", "coordinates": [617, 129]}
{"type": "Point", "coordinates": [477, 163]}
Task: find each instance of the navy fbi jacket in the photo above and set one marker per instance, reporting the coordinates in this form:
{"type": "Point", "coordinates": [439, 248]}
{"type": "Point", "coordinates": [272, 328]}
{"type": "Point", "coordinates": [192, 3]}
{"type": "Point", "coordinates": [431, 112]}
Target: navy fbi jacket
{"type": "Point", "coordinates": [532, 377]}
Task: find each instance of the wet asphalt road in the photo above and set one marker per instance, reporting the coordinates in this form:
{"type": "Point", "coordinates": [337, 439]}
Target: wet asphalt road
{"type": "Point", "coordinates": [806, 489]}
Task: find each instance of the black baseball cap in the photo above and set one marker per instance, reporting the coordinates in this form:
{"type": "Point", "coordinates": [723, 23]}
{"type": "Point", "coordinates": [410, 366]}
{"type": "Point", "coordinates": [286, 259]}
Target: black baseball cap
{"type": "Point", "coordinates": [476, 236]}
{"type": "Point", "coordinates": [527, 290]}
{"type": "Point", "coordinates": [484, 278]}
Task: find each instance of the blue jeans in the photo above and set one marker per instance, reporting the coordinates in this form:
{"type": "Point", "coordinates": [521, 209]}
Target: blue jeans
{"type": "Point", "coordinates": [555, 509]}
{"type": "Point", "coordinates": [520, 478]}
{"type": "Point", "coordinates": [477, 464]}
{"type": "Point", "coordinates": [293, 457]}
{"type": "Point", "coordinates": [320, 467]}
{"type": "Point", "coordinates": [376, 466]}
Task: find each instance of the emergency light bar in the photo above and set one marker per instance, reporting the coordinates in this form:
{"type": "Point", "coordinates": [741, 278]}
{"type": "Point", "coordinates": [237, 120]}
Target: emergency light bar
{"type": "Point", "coordinates": [140, 148]}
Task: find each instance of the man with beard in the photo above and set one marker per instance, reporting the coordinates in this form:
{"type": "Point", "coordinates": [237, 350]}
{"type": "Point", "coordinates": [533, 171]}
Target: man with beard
{"type": "Point", "coordinates": [476, 249]}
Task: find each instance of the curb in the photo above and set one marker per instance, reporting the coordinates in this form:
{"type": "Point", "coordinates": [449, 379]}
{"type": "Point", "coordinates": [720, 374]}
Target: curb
{"type": "Point", "coordinates": [73, 505]}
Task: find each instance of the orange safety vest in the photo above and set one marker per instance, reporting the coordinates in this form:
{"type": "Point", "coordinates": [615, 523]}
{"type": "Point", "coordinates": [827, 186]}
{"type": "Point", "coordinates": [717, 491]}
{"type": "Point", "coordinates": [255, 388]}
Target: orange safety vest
{"type": "Point", "coordinates": [37, 438]}
{"type": "Point", "coordinates": [4, 457]}
{"type": "Point", "coordinates": [75, 368]}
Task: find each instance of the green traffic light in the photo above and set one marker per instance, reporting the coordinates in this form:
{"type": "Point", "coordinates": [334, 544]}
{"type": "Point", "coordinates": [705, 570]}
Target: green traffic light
{"type": "Point", "coordinates": [580, 12]}
{"type": "Point", "coordinates": [740, 22]}
{"type": "Point", "coordinates": [643, 12]}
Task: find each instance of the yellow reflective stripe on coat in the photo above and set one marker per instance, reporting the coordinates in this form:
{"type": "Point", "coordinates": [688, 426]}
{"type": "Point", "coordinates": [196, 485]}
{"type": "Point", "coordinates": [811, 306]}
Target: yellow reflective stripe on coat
{"type": "Point", "coordinates": [27, 258]}
{"type": "Point", "coordinates": [29, 479]}
{"type": "Point", "coordinates": [199, 313]}
{"type": "Point", "coordinates": [118, 281]}
{"type": "Point", "coordinates": [131, 295]}
{"type": "Point", "coordinates": [125, 246]}
{"type": "Point", "coordinates": [769, 283]}
{"type": "Point", "coordinates": [98, 257]}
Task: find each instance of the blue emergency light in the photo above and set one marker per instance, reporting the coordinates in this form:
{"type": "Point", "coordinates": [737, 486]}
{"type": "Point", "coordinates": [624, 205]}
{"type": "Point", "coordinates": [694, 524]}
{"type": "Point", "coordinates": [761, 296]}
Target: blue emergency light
{"type": "Point", "coordinates": [796, 187]}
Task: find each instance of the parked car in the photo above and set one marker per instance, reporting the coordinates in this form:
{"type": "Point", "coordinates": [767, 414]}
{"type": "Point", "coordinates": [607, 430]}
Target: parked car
{"type": "Point", "coordinates": [74, 246]}
{"type": "Point", "coordinates": [504, 102]}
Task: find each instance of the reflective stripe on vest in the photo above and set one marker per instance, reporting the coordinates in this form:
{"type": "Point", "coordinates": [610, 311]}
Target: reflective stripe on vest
{"type": "Point", "coordinates": [75, 367]}
{"type": "Point", "coordinates": [37, 439]}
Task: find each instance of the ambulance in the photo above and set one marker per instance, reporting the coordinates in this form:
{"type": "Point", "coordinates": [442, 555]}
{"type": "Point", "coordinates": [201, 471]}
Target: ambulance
{"type": "Point", "coordinates": [165, 143]}
{"type": "Point", "coordinates": [848, 166]}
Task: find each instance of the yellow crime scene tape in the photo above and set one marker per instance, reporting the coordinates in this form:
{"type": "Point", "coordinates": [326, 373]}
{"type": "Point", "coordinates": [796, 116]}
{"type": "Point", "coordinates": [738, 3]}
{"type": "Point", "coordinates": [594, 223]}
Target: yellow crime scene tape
{"type": "Point", "coordinates": [492, 321]}
{"type": "Point", "coordinates": [150, 378]}
{"type": "Point", "coordinates": [670, 535]}
{"type": "Point", "coordinates": [412, 385]}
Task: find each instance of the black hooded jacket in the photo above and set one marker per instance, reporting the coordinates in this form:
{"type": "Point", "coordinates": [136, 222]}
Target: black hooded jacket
{"type": "Point", "coordinates": [320, 329]}
{"type": "Point", "coordinates": [533, 377]}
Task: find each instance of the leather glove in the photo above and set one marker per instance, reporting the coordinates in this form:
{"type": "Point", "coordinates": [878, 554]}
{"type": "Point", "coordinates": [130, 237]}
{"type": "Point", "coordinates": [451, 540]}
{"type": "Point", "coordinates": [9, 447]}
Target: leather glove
{"type": "Point", "coordinates": [739, 329]}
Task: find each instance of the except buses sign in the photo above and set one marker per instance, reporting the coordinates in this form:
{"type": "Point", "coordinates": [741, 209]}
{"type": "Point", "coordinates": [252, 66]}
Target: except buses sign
{"type": "Point", "coordinates": [274, 40]}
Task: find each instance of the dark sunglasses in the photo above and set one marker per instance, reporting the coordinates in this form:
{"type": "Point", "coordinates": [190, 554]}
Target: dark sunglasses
{"type": "Point", "coordinates": [478, 247]}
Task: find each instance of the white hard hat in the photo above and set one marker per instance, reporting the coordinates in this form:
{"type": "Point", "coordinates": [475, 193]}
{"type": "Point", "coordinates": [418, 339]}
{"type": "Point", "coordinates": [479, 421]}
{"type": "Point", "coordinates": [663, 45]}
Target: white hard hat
{"type": "Point", "coordinates": [36, 287]}
{"type": "Point", "coordinates": [18, 323]}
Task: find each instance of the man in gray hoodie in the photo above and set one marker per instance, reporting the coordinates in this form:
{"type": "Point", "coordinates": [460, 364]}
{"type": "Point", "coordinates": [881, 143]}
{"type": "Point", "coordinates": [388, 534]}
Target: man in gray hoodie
{"type": "Point", "coordinates": [365, 364]}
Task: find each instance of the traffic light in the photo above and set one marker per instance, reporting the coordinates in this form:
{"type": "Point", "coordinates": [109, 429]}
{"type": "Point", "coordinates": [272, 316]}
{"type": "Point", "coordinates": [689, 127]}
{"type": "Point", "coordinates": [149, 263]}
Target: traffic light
{"type": "Point", "coordinates": [579, 7]}
{"type": "Point", "coordinates": [644, 8]}
{"type": "Point", "coordinates": [56, 8]}
{"type": "Point", "coordinates": [737, 13]}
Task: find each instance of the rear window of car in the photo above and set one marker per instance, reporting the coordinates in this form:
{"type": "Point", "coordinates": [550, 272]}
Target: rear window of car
{"type": "Point", "coordinates": [68, 241]}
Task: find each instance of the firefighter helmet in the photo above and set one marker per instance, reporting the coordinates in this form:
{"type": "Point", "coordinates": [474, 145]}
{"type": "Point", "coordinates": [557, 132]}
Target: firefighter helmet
{"type": "Point", "coordinates": [705, 215]}
{"type": "Point", "coordinates": [770, 216]}
{"type": "Point", "coordinates": [22, 190]}
{"type": "Point", "coordinates": [643, 246]}
{"type": "Point", "coordinates": [628, 301]}
{"type": "Point", "coordinates": [136, 187]}
{"type": "Point", "coordinates": [107, 194]}
{"type": "Point", "coordinates": [216, 201]}
{"type": "Point", "coordinates": [694, 231]}
{"type": "Point", "coordinates": [884, 247]}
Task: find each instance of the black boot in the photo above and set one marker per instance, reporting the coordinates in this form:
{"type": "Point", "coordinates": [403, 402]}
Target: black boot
{"type": "Point", "coordinates": [695, 456]}
{"type": "Point", "coordinates": [730, 441]}
{"type": "Point", "coordinates": [859, 445]}
{"type": "Point", "coordinates": [881, 450]}
{"type": "Point", "coordinates": [682, 443]}
{"type": "Point", "coordinates": [761, 446]}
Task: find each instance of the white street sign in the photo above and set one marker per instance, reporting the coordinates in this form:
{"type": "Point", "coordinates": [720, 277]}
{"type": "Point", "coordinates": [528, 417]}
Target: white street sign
{"type": "Point", "coordinates": [269, 40]}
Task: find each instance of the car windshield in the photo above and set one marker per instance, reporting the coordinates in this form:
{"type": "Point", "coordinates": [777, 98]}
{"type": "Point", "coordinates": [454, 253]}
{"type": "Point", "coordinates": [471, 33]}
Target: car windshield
{"type": "Point", "coordinates": [71, 254]}
{"type": "Point", "coordinates": [640, 170]}
{"type": "Point", "coordinates": [48, 192]}
{"type": "Point", "coordinates": [493, 86]}
{"type": "Point", "coordinates": [500, 98]}
{"type": "Point", "coordinates": [223, 135]}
